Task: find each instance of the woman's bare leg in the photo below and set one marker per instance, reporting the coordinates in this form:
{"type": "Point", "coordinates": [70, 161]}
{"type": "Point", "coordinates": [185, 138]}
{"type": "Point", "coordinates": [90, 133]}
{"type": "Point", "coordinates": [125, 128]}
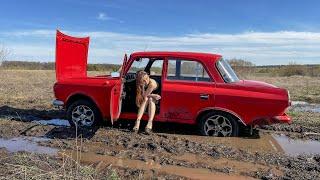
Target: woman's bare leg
{"type": "Point", "coordinates": [141, 110]}
{"type": "Point", "coordinates": [151, 112]}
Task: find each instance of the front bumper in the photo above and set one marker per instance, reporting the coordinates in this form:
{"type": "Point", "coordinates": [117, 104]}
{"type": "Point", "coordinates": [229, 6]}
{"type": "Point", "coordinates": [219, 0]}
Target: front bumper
{"type": "Point", "coordinates": [57, 103]}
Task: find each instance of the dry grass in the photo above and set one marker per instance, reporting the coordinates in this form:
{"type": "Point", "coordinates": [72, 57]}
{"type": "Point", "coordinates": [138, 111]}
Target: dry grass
{"type": "Point", "coordinates": [28, 88]}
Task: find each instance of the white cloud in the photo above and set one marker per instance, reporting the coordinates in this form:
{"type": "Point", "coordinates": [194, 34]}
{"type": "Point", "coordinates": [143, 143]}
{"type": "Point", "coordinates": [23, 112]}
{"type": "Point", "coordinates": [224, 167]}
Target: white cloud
{"type": "Point", "coordinates": [103, 16]}
{"type": "Point", "coordinates": [259, 47]}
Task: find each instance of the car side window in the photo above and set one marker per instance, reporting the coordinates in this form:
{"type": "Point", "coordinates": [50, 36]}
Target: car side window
{"type": "Point", "coordinates": [187, 70]}
{"type": "Point", "coordinates": [156, 67]}
{"type": "Point", "coordinates": [139, 64]}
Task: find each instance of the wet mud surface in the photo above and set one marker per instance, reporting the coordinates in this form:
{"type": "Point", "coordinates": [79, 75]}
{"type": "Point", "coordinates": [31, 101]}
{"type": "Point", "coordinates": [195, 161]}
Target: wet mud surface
{"type": "Point", "coordinates": [167, 155]}
{"type": "Point", "coordinates": [173, 151]}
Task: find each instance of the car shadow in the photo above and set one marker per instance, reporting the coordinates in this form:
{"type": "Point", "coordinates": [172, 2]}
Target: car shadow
{"type": "Point", "coordinates": [27, 115]}
{"type": "Point", "coordinates": [71, 133]}
{"type": "Point", "coordinates": [177, 128]}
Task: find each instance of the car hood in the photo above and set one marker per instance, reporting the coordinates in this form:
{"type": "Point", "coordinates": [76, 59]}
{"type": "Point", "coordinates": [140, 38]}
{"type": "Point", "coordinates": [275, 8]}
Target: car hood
{"type": "Point", "coordinates": [71, 56]}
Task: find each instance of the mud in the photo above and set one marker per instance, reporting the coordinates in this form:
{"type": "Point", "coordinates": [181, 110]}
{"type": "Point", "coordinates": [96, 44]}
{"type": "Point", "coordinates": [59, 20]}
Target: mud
{"type": "Point", "coordinates": [152, 166]}
{"type": "Point", "coordinates": [159, 154]}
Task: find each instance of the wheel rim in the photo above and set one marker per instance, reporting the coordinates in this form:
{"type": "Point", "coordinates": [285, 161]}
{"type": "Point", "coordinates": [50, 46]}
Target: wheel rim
{"type": "Point", "coordinates": [218, 125]}
{"type": "Point", "coordinates": [82, 116]}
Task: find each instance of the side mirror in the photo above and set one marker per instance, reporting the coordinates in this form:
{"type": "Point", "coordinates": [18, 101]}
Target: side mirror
{"type": "Point", "coordinates": [115, 74]}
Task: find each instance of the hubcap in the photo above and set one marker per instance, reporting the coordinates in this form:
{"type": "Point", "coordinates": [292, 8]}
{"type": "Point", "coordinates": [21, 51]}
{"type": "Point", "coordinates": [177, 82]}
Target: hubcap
{"type": "Point", "coordinates": [218, 125]}
{"type": "Point", "coordinates": [82, 116]}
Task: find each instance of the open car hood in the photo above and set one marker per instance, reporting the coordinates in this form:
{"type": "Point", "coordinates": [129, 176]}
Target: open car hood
{"type": "Point", "coordinates": [71, 56]}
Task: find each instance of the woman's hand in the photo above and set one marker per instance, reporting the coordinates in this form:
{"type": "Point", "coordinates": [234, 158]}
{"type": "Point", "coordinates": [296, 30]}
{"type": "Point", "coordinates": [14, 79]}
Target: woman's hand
{"type": "Point", "coordinates": [154, 96]}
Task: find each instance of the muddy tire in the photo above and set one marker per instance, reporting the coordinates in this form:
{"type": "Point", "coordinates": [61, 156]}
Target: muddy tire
{"type": "Point", "coordinates": [83, 113]}
{"type": "Point", "coordinates": [218, 124]}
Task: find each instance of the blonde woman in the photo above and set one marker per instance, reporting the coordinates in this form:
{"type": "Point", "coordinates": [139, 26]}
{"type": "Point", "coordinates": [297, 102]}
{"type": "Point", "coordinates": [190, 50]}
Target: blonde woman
{"type": "Point", "coordinates": [145, 98]}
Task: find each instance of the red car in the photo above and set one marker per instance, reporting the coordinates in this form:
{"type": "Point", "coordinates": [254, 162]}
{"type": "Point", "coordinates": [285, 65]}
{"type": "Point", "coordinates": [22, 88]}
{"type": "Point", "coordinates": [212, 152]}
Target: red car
{"type": "Point", "coordinates": [196, 88]}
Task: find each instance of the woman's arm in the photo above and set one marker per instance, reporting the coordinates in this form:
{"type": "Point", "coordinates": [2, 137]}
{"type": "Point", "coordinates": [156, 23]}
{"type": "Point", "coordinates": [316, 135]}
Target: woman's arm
{"type": "Point", "coordinates": [155, 96]}
{"type": "Point", "coordinates": [151, 87]}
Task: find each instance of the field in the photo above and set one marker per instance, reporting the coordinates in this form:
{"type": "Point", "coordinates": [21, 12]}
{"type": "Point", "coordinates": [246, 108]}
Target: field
{"type": "Point", "coordinates": [173, 152]}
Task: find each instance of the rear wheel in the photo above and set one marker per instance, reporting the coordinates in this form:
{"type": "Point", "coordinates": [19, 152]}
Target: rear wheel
{"type": "Point", "coordinates": [218, 124]}
{"type": "Point", "coordinates": [83, 113]}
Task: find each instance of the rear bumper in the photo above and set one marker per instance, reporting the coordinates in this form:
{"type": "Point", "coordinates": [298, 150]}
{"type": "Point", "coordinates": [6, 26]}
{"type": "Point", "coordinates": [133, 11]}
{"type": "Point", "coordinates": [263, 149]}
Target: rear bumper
{"type": "Point", "coordinates": [57, 103]}
{"type": "Point", "coordinates": [282, 119]}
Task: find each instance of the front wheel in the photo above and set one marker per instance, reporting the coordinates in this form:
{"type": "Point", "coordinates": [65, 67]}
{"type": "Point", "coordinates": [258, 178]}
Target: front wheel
{"type": "Point", "coordinates": [83, 113]}
{"type": "Point", "coordinates": [218, 124]}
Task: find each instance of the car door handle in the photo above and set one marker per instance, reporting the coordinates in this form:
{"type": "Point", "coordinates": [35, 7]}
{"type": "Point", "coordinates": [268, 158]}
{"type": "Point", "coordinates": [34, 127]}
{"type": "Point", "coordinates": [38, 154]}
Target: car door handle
{"type": "Point", "coordinates": [204, 96]}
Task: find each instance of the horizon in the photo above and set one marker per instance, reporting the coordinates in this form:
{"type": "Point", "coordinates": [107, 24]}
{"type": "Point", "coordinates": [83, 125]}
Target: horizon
{"type": "Point", "coordinates": [262, 32]}
{"type": "Point", "coordinates": [254, 65]}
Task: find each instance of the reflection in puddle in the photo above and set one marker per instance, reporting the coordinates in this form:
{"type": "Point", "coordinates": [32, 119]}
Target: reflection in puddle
{"type": "Point", "coordinates": [297, 146]}
{"type": "Point", "coordinates": [28, 144]}
{"type": "Point", "coordinates": [55, 122]}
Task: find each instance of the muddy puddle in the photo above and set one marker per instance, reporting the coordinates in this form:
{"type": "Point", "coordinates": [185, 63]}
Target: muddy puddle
{"type": "Point", "coordinates": [55, 122]}
{"type": "Point", "coordinates": [103, 161]}
{"type": "Point", "coordinates": [305, 107]}
{"type": "Point", "coordinates": [297, 146]}
{"type": "Point", "coordinates": [28, 144]}
{"type": "Point", "coordinates": [264, 143]}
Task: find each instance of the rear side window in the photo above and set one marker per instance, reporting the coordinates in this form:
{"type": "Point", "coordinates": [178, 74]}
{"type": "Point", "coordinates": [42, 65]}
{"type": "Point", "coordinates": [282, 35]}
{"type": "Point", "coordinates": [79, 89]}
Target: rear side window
{"type": "Point", "coordinates": [186, 70]}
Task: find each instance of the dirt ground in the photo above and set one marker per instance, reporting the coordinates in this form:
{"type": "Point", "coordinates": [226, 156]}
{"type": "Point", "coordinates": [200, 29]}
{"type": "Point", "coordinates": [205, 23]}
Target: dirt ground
{"type": "Point", "coordinates": [173, 152]}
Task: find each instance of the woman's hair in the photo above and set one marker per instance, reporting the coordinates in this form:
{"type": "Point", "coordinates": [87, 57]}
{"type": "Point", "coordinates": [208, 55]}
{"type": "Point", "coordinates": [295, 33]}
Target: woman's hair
{"type": "Point", "coordinates": [139, 83]}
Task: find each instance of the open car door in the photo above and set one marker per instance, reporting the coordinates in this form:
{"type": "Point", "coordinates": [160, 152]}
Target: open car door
{"type": "Point", "coordinates": [116, 93]}
{"type": "Point", "coordinates": [71, 56]}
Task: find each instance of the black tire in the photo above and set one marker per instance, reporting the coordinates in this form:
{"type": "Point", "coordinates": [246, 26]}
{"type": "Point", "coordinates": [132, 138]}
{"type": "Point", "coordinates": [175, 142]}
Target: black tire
{"type": "Point", "coordinates": [221, 130]}
{"type": "Point", "coordinates": [96, 119]}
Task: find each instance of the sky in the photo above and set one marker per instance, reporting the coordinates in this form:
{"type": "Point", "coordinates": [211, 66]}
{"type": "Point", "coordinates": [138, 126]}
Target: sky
{"type": "Point", "coordinates": [265, 32]}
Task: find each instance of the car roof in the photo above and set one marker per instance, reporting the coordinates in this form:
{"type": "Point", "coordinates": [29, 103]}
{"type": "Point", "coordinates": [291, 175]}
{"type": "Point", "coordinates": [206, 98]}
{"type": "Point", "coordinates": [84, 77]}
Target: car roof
{"type": "Point", "coordinates": [192, 55]}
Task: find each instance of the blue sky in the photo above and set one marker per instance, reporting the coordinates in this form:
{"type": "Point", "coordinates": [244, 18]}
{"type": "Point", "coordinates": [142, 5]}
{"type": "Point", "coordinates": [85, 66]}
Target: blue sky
{"type": "Point", "coordinates": [262, 31]}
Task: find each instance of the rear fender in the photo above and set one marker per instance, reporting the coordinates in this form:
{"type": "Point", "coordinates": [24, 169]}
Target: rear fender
{"type": "Point", "coordinates": [223, 110]}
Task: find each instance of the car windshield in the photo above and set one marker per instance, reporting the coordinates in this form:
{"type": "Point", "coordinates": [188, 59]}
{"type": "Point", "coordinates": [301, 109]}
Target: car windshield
{"type": "Point", "coordinates": [226, 71]}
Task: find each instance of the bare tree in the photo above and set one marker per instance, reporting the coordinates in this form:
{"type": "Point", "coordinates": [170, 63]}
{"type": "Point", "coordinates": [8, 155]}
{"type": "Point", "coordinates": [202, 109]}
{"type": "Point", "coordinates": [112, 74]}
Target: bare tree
{"type": "Point", "coordinates": [4, 52]}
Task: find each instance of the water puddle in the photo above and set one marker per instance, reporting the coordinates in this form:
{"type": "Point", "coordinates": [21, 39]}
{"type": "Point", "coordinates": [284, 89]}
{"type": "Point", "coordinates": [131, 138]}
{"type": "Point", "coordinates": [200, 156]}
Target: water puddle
{"type": "Point", "coordinates": [55, 122]}
{"type": "Point", "coordinates": [103, 161]}
{"type": "Point", "coordinates": [305, 107]}
{"type": "Point", "coordinates": [297, 146]}
{"type": "Point", "coordinates": [28, 144]}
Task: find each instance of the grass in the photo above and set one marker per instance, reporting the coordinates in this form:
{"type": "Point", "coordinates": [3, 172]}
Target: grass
{"type": "Point", "coordinates": [28, 88]}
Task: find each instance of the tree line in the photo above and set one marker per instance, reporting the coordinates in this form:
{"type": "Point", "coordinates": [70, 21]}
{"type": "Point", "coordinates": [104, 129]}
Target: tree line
{"type": "Point", "coordinates": [242, 67]}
